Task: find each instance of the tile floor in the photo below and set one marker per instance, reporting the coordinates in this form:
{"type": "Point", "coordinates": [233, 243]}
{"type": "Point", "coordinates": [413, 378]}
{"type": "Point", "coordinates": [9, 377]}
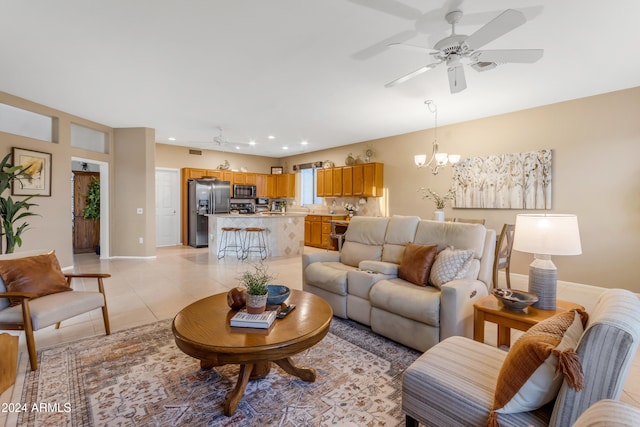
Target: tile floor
{"type": "Point", "coordinates": [144, 291]}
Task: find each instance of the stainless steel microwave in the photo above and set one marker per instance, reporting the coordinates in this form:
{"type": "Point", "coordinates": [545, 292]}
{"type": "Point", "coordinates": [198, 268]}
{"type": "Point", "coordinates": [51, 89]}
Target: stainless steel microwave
{"type": "Point", "coordinates": [242, 191]}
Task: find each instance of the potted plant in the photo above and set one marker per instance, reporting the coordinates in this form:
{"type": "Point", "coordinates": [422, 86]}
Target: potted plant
{"type": "Point", "coordinates": [255, 281]}
{"type": "Point", "coordinates": [92, 209]}
{"type": "Point", "coordinates": [12, 211]}
{"type": "Point", "coordinates": [441, 201]}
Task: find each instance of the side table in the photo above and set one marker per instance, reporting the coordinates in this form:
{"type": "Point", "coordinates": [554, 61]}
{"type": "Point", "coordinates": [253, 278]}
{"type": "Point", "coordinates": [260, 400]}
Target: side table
{"type": "Point", "coordinates": [489, 309]}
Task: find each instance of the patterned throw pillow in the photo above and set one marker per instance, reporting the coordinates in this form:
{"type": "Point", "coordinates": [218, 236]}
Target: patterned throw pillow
{"type": "Point", "coordinates": [416, 263]}
{"type": "Point", "coordinates": [450, 264]}
{"type": "Point", "coordinates": [40, 274]}
{"type": "Point", "coordinates": [529, 376]}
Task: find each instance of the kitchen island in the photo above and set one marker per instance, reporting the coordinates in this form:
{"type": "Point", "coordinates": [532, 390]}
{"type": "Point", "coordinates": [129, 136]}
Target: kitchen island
{"type": "Point", "coordinates": [284, 232]}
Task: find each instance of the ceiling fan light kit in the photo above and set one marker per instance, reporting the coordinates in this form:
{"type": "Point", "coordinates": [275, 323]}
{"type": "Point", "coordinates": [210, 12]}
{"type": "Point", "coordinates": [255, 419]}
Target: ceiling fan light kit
{"type": "Point", "coordinates": [456, 48]}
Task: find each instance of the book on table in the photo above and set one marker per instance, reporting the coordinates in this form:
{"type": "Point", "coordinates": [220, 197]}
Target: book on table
{"type": "Point", "coordinates": [245, 320]}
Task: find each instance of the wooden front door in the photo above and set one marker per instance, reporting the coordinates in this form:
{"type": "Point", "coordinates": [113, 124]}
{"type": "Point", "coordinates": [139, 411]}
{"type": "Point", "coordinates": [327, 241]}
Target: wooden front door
{"type": "Point", "coordinates": [86, 232]}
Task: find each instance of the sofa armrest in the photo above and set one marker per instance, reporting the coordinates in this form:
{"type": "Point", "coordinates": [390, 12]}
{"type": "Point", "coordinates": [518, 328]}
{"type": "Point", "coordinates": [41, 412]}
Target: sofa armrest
{"type": "Point", "coordinates": [456, 307]}
{"type": "Point", "coordinates": [21, 295]}
{"type": "Point", "coordinates": [98, 276]}
{"type": "Point", "coordinates": [382, 267]}
{"type": "Point", "coordinates": [319, 257]}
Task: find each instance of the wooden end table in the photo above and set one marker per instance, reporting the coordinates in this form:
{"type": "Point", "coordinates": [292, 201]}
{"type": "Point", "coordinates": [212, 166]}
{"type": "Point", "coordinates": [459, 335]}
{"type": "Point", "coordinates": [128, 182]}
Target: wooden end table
{"type": "Point", "coordinates": [490, 309]}
{"type": "Point", "coordinates": [202, 331]}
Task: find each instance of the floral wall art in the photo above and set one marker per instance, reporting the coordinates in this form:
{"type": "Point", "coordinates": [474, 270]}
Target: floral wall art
{"type": "Point", "coordinates": [504, 181]}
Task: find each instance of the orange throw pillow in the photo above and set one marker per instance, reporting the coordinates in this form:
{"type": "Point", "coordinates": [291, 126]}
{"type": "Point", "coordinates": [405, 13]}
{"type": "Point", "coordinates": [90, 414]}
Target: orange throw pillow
{"type": "Point", "coordinates": [529, 376]}
{"type": "Point", "coordinates": [40, 274]}
{"type": "Point", "coordinates": [416, 263]}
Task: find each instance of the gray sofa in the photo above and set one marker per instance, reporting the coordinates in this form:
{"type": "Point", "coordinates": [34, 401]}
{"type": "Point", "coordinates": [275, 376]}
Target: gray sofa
{"type": "Point", "coordinates": [362, 283]}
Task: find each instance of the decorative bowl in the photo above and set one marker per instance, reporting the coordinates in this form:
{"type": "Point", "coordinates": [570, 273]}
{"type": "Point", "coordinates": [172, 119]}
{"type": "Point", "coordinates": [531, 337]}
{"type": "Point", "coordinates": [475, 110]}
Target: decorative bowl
{"type": "Point", "coordinates": [514, 300]}
{"type": "Point", "coordinates": [277, 294]}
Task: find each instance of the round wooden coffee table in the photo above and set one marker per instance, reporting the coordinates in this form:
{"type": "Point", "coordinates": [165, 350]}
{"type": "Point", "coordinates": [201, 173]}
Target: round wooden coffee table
{"type": "Point", "coordinates": [202, 331]}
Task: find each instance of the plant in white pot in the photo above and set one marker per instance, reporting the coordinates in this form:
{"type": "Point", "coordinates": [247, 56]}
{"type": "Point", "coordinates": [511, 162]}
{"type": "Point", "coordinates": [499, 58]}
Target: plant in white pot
{"type": "Point", "coordinates": [255, 281]}
{"type": "Point", "coordinates": [440, 201]}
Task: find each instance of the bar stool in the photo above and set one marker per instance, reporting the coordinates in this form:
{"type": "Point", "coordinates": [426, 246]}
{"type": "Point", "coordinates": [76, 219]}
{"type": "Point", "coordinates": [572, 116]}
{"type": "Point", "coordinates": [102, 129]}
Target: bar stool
{"type": "Point", "coordinates": [254, 242]}
{"type": "Point", "coordinates": [224, 240]}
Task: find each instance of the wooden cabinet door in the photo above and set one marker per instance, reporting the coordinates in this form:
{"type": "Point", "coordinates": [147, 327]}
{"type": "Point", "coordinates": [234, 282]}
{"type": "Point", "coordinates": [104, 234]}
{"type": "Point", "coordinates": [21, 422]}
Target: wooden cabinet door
{"type": "Point", "coordinates": [291, 185]}
{"type": "Point", "coordinates": [214, 174]}
{"type": "Point", "coordinates": [239, 177]}
{"type": "Point", "coordinates": [328, 183]}
{"type": "Point", "coordinates": [320, 182]}
{"type": "Point", "coordinates": [373, 179]}
{"type": "Point", "coordinates": [271, 186]}
{"type": "Point", "coordinates": [251, 178]}
{"type": "Point", "coordinates": [337, 181]}
{"type": "Point", "coordinates": [316, 233]}
{"type": "Point", "coordinates": [192, 173]}
{"type": "Point", "coordinates": [307, 233]}
{"type": "Point", "coordinates": [261, 185]}
{"type": "Point", "coordinates": [347, 181]}
{"type": "Point", "coordinates": [281, 185]}
{"type": "Point", "coordinates": [358, 180]}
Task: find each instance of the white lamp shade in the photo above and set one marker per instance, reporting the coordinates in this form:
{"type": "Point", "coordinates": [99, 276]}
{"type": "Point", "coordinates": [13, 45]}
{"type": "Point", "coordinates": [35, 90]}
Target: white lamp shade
{"type": "Point", "coordinates": [441, 158]}
{"type": "Point", "coordinates": [420, 159]}
{"type": "Point", "coordinates": [454, 158]}
{"type": "Point", "coordinates": [547, 234]}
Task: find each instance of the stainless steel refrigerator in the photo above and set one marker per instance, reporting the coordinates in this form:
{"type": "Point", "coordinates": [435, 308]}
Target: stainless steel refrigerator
{"type": "Point", "coordinates": [206, 196]}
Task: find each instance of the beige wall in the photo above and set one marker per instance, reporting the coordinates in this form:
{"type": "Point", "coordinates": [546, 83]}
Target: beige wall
{"type": "Point", "coordinates": [135, 185]}
{"type": "Point", "coordinates": [172, 156]}
{"type": "Point", "coordinates": [596, 175]}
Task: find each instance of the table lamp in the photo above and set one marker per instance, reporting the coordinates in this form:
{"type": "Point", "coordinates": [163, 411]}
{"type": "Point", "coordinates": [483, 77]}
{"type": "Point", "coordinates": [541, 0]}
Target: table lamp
{"type": "Point", "coordinates": [544, 235]}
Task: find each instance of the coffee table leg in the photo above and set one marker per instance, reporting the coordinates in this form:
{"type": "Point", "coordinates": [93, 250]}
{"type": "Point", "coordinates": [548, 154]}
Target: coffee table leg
{"type": "Point", "coordinates": [305, 374]}
{"type": "Point", "coordinates": [234, 396]}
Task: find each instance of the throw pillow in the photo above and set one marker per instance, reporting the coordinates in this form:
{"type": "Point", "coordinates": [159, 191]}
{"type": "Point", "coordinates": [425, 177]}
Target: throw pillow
{"type": "Point", "coordinates": [416, 263]}
{"type": "Point", "coordinates": [450, 264]}
{"type": "Point", "coordinates": [529, 376]}
{"type": "Point", "coordinates": [40, 275]}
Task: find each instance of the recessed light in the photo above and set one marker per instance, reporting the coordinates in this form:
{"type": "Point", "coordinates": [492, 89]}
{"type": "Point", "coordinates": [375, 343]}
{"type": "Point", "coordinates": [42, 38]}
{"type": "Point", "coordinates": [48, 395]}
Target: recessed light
{"type": "Point", "coordinates": [285, 148]}
{"type": "Point", "coordinates": [237, 147]}
{"type": "Point", "coordinates": [304, 143]}
{"type": "Point", "coordinates": [271, 137]}
{"type": "Point", "coordinates": [252, 143]}
{"type": "Point", "coordinates": [172, 138]}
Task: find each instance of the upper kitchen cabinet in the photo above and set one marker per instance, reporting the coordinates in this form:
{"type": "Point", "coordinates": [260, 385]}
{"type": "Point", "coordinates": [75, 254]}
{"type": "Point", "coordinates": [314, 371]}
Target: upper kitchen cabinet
{"type": "Point", "coordinates": [271, 187]}
{"type": "Point", "coordinates": [364, 180]}
{"type": "Point", "coordinates": [347, 181]}
{"type": "Point", "coordinates": [286, 185]}
{"type": "Point", "coordinates": [337, 181]}
{"type": "Point", "coordinates": [372, 179]}
{"type": "Point", "coordinates": [320, 182]}
{"type": "Point", "coordinates": [261, 185]}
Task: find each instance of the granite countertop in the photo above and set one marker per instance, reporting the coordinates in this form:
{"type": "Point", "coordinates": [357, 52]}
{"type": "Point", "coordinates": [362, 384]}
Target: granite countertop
{"type": "Point", "coordinates": [261, 215]}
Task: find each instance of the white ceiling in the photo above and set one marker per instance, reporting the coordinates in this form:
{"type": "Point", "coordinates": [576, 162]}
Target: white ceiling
{"type": "Point", "coordinates": [309, 70]}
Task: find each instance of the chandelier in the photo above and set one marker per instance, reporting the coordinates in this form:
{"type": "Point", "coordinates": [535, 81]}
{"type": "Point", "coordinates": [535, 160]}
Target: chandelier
{"type": "Point", "coordinates": [438, 159]}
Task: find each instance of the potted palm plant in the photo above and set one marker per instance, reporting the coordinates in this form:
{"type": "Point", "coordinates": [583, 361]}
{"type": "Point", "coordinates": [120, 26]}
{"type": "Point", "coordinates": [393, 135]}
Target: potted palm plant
{"type": "Point", "coordinates": [12, 211]}
{"type": "Point", "coordinates": [255, 281]}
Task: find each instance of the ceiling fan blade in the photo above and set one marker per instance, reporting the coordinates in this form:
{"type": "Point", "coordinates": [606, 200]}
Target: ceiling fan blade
{"type": "Point", "coordinates": [502, 24]}
{"type": "Point", "coordinates": [412, 47]}
{"type": "Point", "coordinates": [391, 7]}
{"type": "Point", "coordinates": [457, 81]}
{"type": "Point", "coordinates": [411, 75]}
{"type": "Point", "coordinates": [504, 56]}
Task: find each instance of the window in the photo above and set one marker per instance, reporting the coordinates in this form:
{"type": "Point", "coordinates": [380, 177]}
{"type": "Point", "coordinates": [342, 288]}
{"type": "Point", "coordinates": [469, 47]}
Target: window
{"type": "Point", "coordinates": [89, 139]}
{"type": "Point", "coordinates": [25, 123]}
{"type": "Point", "coordinates": [308, 187]}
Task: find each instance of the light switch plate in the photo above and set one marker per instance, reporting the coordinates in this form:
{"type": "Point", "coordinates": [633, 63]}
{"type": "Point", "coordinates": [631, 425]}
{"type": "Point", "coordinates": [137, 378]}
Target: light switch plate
{"type": "Point", "coordinates": [139, 211]}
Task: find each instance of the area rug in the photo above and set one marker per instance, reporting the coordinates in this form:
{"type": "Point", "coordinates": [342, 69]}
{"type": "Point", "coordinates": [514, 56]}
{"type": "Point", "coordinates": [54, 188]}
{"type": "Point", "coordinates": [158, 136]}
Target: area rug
{"type": "Point", "coordinates": [138, 377]}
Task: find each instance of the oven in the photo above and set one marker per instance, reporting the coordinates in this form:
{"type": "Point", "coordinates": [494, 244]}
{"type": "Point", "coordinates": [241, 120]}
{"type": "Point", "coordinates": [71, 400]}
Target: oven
{"type": "Point", "coordinates": [242, 191]}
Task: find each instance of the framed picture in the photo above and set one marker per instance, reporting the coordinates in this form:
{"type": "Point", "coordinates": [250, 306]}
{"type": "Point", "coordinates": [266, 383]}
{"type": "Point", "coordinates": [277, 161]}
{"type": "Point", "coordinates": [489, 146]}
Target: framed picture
{"type": "Point", "coordinates": [37, 177]}
{"type": "Point", "coordinates": [276, 170]}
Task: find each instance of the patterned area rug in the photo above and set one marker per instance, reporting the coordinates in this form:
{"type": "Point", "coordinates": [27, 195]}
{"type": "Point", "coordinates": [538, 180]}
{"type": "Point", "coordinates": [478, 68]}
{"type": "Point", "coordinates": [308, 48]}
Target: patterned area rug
{"type": "Point", "coordinates": [138, 377]}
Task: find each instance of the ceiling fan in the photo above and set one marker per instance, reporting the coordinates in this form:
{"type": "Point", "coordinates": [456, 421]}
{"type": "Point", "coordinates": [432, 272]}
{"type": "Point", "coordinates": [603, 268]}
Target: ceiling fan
{"type": "Point", "coordinates": [224, 142]}
{"type": "Point", "coordinates": [457, 49]}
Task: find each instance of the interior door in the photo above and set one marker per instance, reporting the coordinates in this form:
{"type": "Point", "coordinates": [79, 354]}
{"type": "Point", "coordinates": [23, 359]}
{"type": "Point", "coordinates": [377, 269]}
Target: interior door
{"type": "Point", "coordinates": [86, 232]}
{"type": "Point", "coordinates": [167, 207]}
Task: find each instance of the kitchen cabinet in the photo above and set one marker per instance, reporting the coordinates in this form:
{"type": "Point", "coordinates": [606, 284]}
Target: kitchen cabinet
{"type": "Point", "coordinates": [364, 180]}
{"type": "Point", "coordinates": [251, 178]}
{"type": "Point", "coordinates": [239, 178]}
{"type": "Point", "coordinates": [317, 229]}
{"type": "Point", "coordinates": [286, 185]}
{"type": "Point", "coordinates": [347, 181]}
{"type": "Point", "coordinates": [271, 187]}
{"type": "Point", "coordinates": [337, 181]}
{"type": "Point", "coordinates": [320, 182]}
{"type": "Point", "coordinates": [261, 185]}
